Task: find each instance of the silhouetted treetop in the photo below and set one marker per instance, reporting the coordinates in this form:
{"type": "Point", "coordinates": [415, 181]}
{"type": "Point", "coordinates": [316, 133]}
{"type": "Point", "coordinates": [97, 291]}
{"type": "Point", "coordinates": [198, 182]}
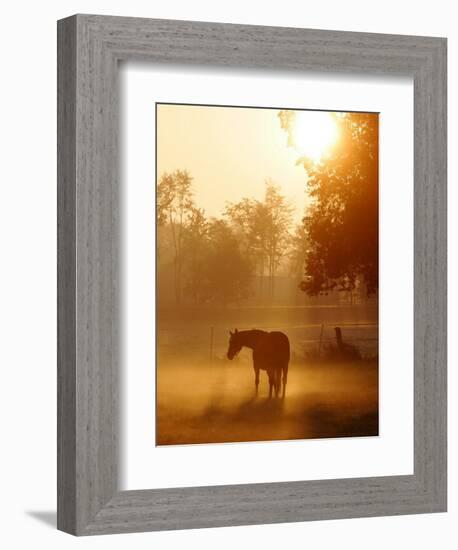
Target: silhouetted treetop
{"type": "Point", "coordinates": [174, 206]}
{"type": "Point", "coordinates": [264, 228]}
{"type": "Point", "coordinates": [342, 222]}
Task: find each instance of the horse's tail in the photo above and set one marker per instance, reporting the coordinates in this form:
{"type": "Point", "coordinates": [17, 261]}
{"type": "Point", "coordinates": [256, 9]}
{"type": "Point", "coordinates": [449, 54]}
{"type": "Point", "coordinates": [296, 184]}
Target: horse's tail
{"type": "Point", "coordinates": [277, 380]}
{"type": "Point", "coordinates": [284, 370]}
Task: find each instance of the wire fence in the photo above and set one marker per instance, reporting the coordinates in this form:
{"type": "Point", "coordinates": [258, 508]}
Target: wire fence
{"type": "Point", "coordinates": [305, 339]}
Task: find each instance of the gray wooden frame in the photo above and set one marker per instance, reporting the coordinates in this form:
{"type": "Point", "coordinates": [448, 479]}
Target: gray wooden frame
{"type": "Point", "coordinates": [89, 48]}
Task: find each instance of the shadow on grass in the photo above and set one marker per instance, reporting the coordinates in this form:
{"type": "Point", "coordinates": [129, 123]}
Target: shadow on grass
{"type": "Point", "coordinates": [218, 405]}
{"type": "Point", "coordinates": [274, 419]}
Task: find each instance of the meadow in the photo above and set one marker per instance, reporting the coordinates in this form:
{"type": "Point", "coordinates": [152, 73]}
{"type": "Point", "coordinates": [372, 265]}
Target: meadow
{"type": "Point", "coordinates": [202, 397]}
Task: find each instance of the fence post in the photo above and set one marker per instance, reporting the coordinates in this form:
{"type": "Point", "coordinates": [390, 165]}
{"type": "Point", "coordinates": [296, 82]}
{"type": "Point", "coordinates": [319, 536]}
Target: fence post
{"type": "Point", "coordinates": [321, 339]}
{"type": "Point", "coordinates": [211, 344]}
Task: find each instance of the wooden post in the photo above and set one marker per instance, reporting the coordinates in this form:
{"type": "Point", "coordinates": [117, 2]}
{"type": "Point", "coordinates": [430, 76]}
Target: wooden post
{"type": "Point", "coordinates": [339, 337]}
{"type": "Point", "coordinates": [321, 339]}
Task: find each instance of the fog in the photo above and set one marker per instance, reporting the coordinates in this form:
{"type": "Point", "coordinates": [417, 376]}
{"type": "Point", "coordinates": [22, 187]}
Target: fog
{"type": "Point", "coordinates": [202, 397]}
{"type": "Point", "coordinates": [267, 220]}
{"type": "Point", "coordinates": [212, 403]}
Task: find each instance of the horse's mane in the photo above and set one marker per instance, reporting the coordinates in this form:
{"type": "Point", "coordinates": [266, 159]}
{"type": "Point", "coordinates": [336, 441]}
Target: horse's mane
{"type": "Point", "coordinates": [250, 337]}
{"type": "Point", "coordinates": [256, 331]}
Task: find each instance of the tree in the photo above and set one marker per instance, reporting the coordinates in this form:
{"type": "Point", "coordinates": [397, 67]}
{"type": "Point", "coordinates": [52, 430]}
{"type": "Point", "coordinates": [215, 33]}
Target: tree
{"type": "Point", "coordinates": [342, 222]}
{"type": "Point", "coordinates": [195, 245]}
{"type": "Point", "coordinates": [263, 227]}
{"type": "Point", "coordinates": [174, 207]}
{"type": "Point", "coordinates": [219, 272]}
{"type": "Point", "coordinates": [276, 217]}
{"type": "Point", "coordinates": [298, 251]}
{"type": "Point", "coordinates": [244, 218]}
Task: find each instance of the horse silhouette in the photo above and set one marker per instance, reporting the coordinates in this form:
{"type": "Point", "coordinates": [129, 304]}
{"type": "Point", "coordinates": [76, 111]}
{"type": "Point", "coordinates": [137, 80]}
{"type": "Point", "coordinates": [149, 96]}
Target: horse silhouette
{"type": "Point", "coordinates": [270, 353]}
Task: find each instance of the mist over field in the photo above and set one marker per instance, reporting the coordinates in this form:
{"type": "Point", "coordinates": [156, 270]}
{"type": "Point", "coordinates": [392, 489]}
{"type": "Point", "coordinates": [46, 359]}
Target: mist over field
{"type": "Point", "coordinates": [202, 397]}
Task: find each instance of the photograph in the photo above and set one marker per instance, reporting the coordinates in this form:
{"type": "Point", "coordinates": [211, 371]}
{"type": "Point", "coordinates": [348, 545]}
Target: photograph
{"type": "Point", "coordinates": [267, 274]}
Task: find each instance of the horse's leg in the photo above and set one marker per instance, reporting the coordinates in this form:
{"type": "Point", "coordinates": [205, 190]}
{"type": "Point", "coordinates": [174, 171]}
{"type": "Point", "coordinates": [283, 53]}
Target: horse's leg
{"type": "Point", "coordinates": [277, 381]}
{"type": "Point", "coordinates": [285, 379]}
{"type": "Point", "coordinates": [271, 382]}
{"type": "Point", "coordinates": [256, 379]}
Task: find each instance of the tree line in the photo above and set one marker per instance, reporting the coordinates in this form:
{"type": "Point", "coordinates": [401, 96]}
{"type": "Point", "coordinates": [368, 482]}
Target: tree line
{"type": "Point", "coordinates": [334, 247]}
{"type": "Point", "coordinates": [218, 260]}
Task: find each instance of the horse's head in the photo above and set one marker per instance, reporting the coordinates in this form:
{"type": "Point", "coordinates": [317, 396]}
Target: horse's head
{"type": "Point", "coordinates": [234, 344]}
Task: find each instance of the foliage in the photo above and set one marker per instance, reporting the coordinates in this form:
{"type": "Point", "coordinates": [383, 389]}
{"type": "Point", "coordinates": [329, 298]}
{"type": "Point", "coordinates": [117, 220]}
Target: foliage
{"type": "Point", "coordinates": [298, 250]}
{"type": "Point", "coordinates": [264, 229]}
{"type": "Point", "coordinates": [209, 265]}
{"type": "Point", "coordinates": [196, 238]}
{"type": "Point", "coordinates": [342, 223]}
{"type": "Point", "coordinates": [225, 272]}
{"type": "Point", "coordinates": [174, 207]}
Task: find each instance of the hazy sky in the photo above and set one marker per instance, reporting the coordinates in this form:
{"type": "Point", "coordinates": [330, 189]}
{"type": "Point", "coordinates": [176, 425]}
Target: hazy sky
{"type": "Point", "coordinates": [229, 152]}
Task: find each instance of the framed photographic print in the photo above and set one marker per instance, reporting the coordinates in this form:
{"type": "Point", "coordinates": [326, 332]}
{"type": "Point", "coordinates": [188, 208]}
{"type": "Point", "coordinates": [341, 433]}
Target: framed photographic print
{"type": "Point", "coordinates": [251, 274]}
{"type": "Point", "coordinates": [230, 255]}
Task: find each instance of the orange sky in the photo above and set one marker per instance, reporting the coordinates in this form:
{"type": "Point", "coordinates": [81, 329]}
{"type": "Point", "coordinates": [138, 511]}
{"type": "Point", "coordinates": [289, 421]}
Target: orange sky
{"type": "Point", "coordinates": [229, 152]}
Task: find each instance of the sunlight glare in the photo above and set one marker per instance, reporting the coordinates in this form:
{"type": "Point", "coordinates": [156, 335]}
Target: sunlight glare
{"type": "Point", "coordinates": [314, 133]}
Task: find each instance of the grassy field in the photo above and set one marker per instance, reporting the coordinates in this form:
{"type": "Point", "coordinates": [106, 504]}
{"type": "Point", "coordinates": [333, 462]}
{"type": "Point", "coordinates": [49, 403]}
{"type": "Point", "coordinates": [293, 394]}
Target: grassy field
{"type": "Point", "coordinates": [212, 403]}
{"type": "Point", "coordinates": [202, 397]}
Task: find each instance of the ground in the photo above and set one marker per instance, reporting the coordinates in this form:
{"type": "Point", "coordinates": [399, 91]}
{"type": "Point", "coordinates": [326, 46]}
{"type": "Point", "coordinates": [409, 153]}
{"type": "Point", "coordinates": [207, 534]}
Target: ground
{"type": "Point", "coordinates": [202, 397]}
{"type": "Point", "coordinates": [216, 403]}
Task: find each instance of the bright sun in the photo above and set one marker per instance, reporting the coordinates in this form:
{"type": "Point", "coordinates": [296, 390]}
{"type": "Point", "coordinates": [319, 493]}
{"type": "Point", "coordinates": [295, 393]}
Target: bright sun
{"type": "Point", "coordinates": [314, 133]}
